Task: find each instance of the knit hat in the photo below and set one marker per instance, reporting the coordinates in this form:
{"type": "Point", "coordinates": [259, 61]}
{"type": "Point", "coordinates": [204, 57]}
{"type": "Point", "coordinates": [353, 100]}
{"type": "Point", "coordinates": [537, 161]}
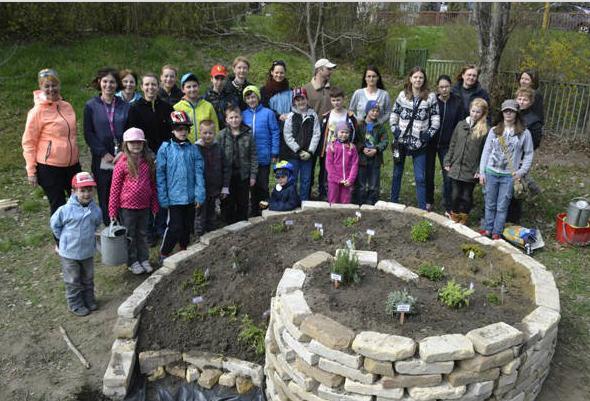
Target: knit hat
{"type": "Point", "coordinates": [133, 134]}
{"type": "Point", "coordinates": [342, 126]}
{"type": "Point", "coordinates": [251, 89]}
{"type": "Point", "coordinates": [371, 104]}
{"type": "Point", "coordinates": [83, 179]}
{"type": "Point", "coordinates": [510, 104]}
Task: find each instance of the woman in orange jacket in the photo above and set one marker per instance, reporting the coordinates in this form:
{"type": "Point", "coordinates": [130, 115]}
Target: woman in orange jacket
{"type": "Point", "coordinates": [49, 141]}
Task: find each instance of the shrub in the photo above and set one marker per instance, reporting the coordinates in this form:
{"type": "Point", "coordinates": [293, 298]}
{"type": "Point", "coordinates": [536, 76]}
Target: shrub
{"type": "Point", "coordinates": [431, 271]}
{"type": "Point", "coordinates": [396, 298]}
{"type": "Point", "coordinates": [252, 335]}
{"type": "Point", "coordinates": [422, 231]}
{"type": "Point", "coordinates": [346, 264]}
{"type": "Point", "coordinates": [476, 249]}
{"type": "Point", "coordinates": [454, 296]}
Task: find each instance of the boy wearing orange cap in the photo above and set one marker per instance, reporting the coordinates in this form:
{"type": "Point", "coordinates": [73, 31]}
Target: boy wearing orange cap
{"type": "Point", "coordinates": [214, 94]}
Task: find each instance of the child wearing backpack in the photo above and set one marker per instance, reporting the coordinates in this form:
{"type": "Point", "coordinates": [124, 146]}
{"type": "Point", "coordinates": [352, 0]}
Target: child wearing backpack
{"type": "Point", "coordinates": [342, 166]}
{"type": "Point", "coordinates": [74, 225]}
{"type": "Point", "coordinates": [133, 196]}
{"type": "Point", "coordinates": [180, 183]}
{"type": "Point", "coordinates": [371, 145]}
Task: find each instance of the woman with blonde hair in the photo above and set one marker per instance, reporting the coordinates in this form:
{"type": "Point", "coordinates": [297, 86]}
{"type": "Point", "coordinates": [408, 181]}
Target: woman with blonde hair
{"type": "Point", "coordinates": [462, 160]}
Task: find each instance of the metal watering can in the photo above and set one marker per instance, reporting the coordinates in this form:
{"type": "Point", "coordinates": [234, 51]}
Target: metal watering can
{"type": "Point", "coordinates": [113, 244]}
{"type": "Point", "coordinates": [578, 212]}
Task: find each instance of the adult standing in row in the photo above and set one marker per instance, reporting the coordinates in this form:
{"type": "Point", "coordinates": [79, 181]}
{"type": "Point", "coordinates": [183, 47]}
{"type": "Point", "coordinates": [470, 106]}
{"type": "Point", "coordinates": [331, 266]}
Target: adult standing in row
{"type": "Point", "coordinates": [169, 92]}
{"type": "Point", "coordinates": [214, 95]}
{"type": "Point", "coordinates": [372, 88]}
{"type": "Point", "coordinates": [236, 83]}
{"type": "Point", "coordinates": [414, 121]}
{"type": "Point", "coordinates": [104, 123]}
{"type": "Point", "coordinates": [530, 79]}
{"type": "Point", "coordinates": [276, 94]}
{"type": "Point", "coordinates": [450, 108]}
{"type": "Point", "coordinates": [128, 92]}
{"type": "Point", "coordinates": [49, 141]}
{"type": "Point", "coordinates": [469, 88]}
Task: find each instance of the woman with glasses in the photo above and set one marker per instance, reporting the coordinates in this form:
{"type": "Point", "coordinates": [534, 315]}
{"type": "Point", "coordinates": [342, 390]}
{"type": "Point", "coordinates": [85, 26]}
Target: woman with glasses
{"type": "Point", "coordinates": [276, 94]}
{"type": "Point", "coordinates": [49, 141]}
{"type": "Point", "coordinates": [372, 88]}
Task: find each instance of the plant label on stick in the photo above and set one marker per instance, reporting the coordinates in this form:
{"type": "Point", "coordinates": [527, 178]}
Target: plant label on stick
{"type": "Point", "coordinates": [322, 232]}
{"type": "Point", "coordinates": [471, 255]}
{"type": "Point", "coordinates": [198, 300]}
{"type": "Point", "coordinates": [358, 215]}
{"type": "Point", "coordinates": [318, 226]}
{"type": "Point", "coordinates": [402, 309]}
{"type": "Point", "coordinates": [370, 232]}
{"type": "Point", "coordinates": [349, 244]}
{"type": "Point", "coordinates": [335, 277]}
{"type": "Point", "coordinates": [471, 285]}
{"type": "Point", "coordinates": [288, 222]}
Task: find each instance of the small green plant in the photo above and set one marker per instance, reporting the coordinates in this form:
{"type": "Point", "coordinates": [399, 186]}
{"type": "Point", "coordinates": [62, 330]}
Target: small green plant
{"type": "Point", "coordinates": [454, 296]}
{"type": "Point", "coordinates": [401, 297]}
{"type": "Point", "coordinates": [316, 235]}
{"type": "Point", "coordinates": [346, 264]}
{"type": "Point", "coordinates": [497, 280]}
{"type": "Point", "coordinates": [197, 282]}
{"type": "Point", "coordinates": [493, 298]}
{"type": "Point", "coordinates": [188, 313]}
{"type": "Point", "coordinates": [252, 335]}
{"type": "Point", "coordinates": [476, 249]}
{"type": "Point", "coordinates": [422, 231]}
{"type": "Point", "coordinates": [230, 311]}
{"type": "Point", "coordinates": [350, 221]}
{"type": "Point", "coordinates": [278, 228]}
{"type": "Point", "coordinates": [431, 271]}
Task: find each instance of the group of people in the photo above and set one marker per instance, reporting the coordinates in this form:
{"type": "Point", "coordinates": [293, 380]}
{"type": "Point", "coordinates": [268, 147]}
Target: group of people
{"type": "Point", "coordinates": [166, 159]}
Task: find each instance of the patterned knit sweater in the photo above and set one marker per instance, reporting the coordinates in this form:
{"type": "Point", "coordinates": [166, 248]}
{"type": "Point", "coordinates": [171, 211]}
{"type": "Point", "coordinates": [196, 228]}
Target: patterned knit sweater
{"type": "Point", "coordinates": [425, 125]}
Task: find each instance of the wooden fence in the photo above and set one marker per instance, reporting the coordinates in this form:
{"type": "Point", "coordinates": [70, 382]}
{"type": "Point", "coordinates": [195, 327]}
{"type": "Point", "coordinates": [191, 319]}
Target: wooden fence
{"type": "Point", "coordinates": [566, 105]}
{"type": "Point", "coordinates": [400, 59]}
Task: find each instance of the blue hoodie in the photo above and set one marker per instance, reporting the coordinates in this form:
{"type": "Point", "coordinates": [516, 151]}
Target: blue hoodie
{"type": "Point", "coordinates": [287, 198]}
{"type": "Point", "coordinates": [265, 129]}
{"type": "Point", "coordinates": [74, 226]}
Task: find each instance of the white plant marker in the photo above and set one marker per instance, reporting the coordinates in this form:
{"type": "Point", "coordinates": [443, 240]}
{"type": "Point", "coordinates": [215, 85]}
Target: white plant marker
{"type": "Point", "coordinates": [370, 234]}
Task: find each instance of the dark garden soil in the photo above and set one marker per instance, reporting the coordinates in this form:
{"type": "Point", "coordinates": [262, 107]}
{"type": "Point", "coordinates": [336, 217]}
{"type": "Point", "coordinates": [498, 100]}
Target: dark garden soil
{"type": "Point", "coordinates": [263, 255]}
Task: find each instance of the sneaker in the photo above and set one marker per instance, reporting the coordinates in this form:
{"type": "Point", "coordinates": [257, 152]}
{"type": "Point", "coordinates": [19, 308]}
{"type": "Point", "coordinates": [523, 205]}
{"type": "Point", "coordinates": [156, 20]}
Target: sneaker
{"type": "Point", "coordinates": [80, 311]}
{"type": "Point", "coordinates": [496, 236]}
{"type": "Point", "coordinates": [136, 268]}
{"type": "Point", "coordinates": [485, 233]}
{"type": "Point", "coordinates": [146, 266]}
{"type": "Point", "coordinates": [429, 207]}
{"type": "Point", "coordinates": [92, 307]}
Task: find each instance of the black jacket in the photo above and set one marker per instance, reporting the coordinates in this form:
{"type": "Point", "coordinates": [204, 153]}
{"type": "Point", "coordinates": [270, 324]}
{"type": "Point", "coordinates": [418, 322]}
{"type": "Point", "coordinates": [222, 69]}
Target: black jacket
{"type": "Point", "coordinates": [467, 95]}
{"type": "Point", "coordinates": [219, 104]}
{"type": "Point", "coordinates": [450, 114]}
{"type": "Point", "coordinates": [246, 146]}
{"type": "Point", "coordinates": [172, 98]}
{"type": "Point", "coordinates": [233, 95]}
{"type": "Point", "coordinates": [285, 199]}
{"type": "Point", "coordinates": [153, 119]}
{"type": "Point", "coordinates": [534, 124]}
{"type": "Point", "coordinates": [215, 168]}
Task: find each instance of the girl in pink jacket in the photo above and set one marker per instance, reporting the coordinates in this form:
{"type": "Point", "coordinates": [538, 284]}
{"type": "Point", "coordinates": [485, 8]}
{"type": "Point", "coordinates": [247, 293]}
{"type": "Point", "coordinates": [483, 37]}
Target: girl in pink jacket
{"type": "Point", "coordinates": [342, 166]}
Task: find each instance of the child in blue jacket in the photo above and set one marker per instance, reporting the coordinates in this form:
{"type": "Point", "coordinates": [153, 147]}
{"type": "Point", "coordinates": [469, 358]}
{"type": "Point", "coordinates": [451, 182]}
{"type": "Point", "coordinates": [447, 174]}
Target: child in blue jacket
{"type": "Point", "coordinates": [265, 129]}
{"type": "Point", "coordinates": [180, 183]}
{"type": "Point", "coordinates": [74, 225]}
{"type": "Point", "coordinates": [284, 197]}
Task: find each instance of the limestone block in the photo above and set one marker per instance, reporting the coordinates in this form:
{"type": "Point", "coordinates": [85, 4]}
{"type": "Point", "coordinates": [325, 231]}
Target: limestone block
{"type": "Point", "coordinates": [243, 385]}
{"type": "Point", "coordinates": [480, 363]}
{"type": "Point", "coordinates": [373, 389]}
{"type": "Point", "coordinates": [115, 393]}
{"type": "Point", "coordinates": [439, 219]}
{"type": "Point", "coordinates": [211, 235]}
{"type": "Point", "coordinates": [295, 308]}
{"type": "Point", "coordinates": [301, 349]}
{"type": "Point", "coordinates": [326, 378]}
{"type": "Point", "coordinates": [192, 373]}
{"type": "Point", "coordinates": [287, 324]}
{"type": "Point", "coordinates": [131, 307]}
{"type": "Point", "coordinates": [351, 360]}
{"type": "Point", "coordinates": [368, 207]}
{"type": "Point", "coordinates": [124, 345]}
{"type": "Point", "coordinates": [383, 347]}
{"type": "Point", "coordinates": [126, 327]}
{"type": "Point", "coordinates": [331, 394]}
{"type": "Point", "coordinates": [401, 381]}
{"type": "Point", "coordinates": [291, 280]}
{"type": "Point", "coordinates": [415, 211]}
{"type": "Point", "coordinates": [227, 379]}
{"type": "Point", "coordinates": [547, 341]}
{"type": "Point", "coordinates": [391, 266]}
{"type": "Point", "coordinates": [447, 347]}
{"type": "Point", "coordinates": [484, 240]}
{"type": "Point", "coordinates": [416, 366]}
{"type": "Point", "coordinates": [119, 370]}
{"type": "Point", "coordinates": [269, 341]}
{"type": "Point", "coordinates": [157, 374]}
{"type": "Point", "coordinates": [284, 349]}
{"type": "Point", "coordinates": [542, 319]}
{"type": "Point", "coordinates": [177, 369]}
{"type": "Point", "coordinates": [444, 391]}
{"type": "Point", "coordinates": [203, 359]}
{"type": "Point", "coordinates": [282, 387]}
{"type": "Point", "coordinates": [300, 393]}
{"type": "Point", "coordinates": [147, 285]}
{"type": "Point", "coordinates": [209, 378]}
{"type": "Point", "coordinates": [270, 213]}
{"type": "Point", "coordinates": [312, 261]}
{"type": "Point", "coordinates": [531, 335]}
{"type": "Point", "coordinates": [244, 368]}
{"type": "Point", "coordinates": [305, 382]}
{"type": "Point", "coordinates": [382, 205]}
{"type": "Point", "coordinates": [309, 205]}
{"type": "Point", "coordinates": [183, 259]}
{"type": "Point", "coordinates": [349, 373]}
{"type": "Point", "coordinates": [343, 206]}
{"type": "Point", "coordinates": [505, 380]}
{"type": "Point", "coordinates": [378, 367]}
{"type": "Point", "coordinates": [256, 220]}
{"type": "Point", "coordinates": [464, 230]}
{"type": "Point", "coordinates": [546, 293]}
{"type": "Point", "coordinates": [280, 366]}
{"type": "Point", "coordinates": [461, 377]}
{"type": "Point", "coordinates": [327, 331]}
{"type": "Point", "coordinates": [150, 360]}
{"type": "Point", "coordinates": [365, 258]}
{"type": "Point", "coordinates": [511, 367]}
{"type": "Point", "coordinates": [481, 388]}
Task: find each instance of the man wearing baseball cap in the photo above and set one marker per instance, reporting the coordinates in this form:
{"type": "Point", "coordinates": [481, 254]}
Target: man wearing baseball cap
{"type": "Point", "coordinates": [214, 94]}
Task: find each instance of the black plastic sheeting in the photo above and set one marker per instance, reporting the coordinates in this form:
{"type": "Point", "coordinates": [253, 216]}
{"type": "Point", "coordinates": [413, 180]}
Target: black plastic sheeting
{"type": "Point", "coordinates": [188, 392]}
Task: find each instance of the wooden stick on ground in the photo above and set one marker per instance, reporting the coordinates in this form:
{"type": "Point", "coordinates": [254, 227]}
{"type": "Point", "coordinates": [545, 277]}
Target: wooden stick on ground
{"type": "Point", "coordinates": [73, 348]}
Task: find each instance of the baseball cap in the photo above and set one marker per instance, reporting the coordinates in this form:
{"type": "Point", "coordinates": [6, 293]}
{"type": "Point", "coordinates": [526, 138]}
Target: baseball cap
{"type": "Point", "coordinates": [83, 179]}
{"type": "Point", "coordinates": [299, 92]}
{"type": "Point", "coordinates": [217, 70]}
{"type": "Point", "coordinates": [510, 104]}
{"type": "Point", "coordinates": [189, 76]}
{"type": "Point", "coordinates": [324, 62]}
{"type": "Point", "coordinates": [133, 134]}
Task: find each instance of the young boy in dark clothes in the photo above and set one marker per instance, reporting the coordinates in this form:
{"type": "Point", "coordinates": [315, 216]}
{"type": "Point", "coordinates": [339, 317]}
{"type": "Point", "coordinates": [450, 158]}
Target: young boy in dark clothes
{"type": "Point", "coordinates": [284, 196]}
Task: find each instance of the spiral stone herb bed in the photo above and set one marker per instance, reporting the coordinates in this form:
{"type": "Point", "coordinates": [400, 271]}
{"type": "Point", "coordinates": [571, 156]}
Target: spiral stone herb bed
{"type": "Point", "coordinates": [293, 365]}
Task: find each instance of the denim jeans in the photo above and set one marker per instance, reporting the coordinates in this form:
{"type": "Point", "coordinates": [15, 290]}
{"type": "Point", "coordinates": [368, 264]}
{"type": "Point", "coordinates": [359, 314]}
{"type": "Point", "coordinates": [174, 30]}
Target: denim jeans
{"type": "Point", "coordinates": [302, 169]}
{"type": "Point", "coordinates": [431, 154]}
{"type": "Point", "coordinates": [368, 181]}
{"type": "Point", "coordinates": [419, 160]}
{"type": "Point", "coordinates": [79, 282]}
{"type": "Point", "coordinates": [497, 199]}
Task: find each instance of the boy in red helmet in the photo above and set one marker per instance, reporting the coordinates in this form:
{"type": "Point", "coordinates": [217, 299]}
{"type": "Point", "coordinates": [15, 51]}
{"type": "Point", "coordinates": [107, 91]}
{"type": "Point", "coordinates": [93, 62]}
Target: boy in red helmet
{"type": "Point", "coordinates": [74, 225]}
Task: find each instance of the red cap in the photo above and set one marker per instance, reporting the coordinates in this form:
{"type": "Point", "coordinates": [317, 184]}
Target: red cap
{"type": "Point", "coordinates": [217, 70]}
{"type": "Point", "coordinates": [83, 179]}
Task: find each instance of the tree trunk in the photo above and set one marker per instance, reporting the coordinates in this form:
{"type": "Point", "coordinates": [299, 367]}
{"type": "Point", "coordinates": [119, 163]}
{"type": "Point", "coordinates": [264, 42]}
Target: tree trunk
{"type": "Point", "coordinates": [493, 29]}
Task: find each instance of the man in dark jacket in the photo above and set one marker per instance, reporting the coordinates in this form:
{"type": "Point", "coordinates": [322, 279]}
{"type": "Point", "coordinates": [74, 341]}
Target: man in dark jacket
{"type": "Point", "coordinates": [153, 117]}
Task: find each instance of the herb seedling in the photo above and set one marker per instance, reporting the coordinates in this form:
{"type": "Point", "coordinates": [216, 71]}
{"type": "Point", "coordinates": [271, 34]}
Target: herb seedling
{"type": "Point", "coordinates": [346, 264]}
{"type": "Point", "coordinates": [252, 335]}
{"type": "Point", "coordinates": [422, 231]}
{"type": "Point", "coordinates": [454, 296]}
{"type": "Point", "coordinates": [431, 271]}
{"type": "Point", "coordinates": [400, 302]}
{"type": "Point", "coordinates": [473, 251]}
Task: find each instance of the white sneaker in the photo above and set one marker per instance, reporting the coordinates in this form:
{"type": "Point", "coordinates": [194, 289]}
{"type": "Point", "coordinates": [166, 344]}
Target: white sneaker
{"type": "Point", "coordinates": [146, 266]}
{"type": "Point", "coordinates": [136, 268]}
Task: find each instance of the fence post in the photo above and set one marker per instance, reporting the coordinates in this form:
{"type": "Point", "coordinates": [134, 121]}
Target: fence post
{"type": "Point", "coordinates": [402, 64]}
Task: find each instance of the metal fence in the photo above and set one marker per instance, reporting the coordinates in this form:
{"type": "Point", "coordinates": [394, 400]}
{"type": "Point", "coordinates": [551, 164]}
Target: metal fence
{"type": "Point", "coordinates": [566, 105]}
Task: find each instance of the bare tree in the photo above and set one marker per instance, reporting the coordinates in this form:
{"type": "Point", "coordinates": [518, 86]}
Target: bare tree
{"type": "Point", "coordinates": [493, 30]}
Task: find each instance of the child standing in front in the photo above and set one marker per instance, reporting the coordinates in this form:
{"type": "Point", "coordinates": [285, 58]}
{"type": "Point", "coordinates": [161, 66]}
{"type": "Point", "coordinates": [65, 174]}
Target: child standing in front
{"type": "Point", "coordinates": [372, 142]}
{"type": "Point", "coordinates": [74, 225]}
{"type": "Point", "coordinates": [342, 166]}
{"type": "Point", "coordinates": [133, 196]}
{"type": "Point", "coordinates": [284, 197]}
{"type": "Point", "coordinates": [180, 183]}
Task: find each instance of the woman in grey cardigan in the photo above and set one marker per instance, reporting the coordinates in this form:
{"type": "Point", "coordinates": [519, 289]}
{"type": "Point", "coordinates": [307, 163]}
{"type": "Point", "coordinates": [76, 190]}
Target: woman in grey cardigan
{"type": "Point", "coordinates": [372, 88]}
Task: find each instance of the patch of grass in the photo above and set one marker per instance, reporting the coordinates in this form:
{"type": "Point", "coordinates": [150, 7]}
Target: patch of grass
{"type": "Point", "coordinates": [454, 296]}
{"type": "Point", "coordinates": [422, 231]}
{"type": "Point", "coordinates": [31, 205]}
{"type": "Point", "coordinates": [431, 271]}
{"type": "Point", "coordinates": [188, 313]}
{"type": "Point", "coordinates": [252, 335]}
{"type": "Point", "coordinates": [347, 265]}
{"type": "Point", "coordinates": [278, 228]}
{"type": "Point", "coordinates": [498, 279]}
